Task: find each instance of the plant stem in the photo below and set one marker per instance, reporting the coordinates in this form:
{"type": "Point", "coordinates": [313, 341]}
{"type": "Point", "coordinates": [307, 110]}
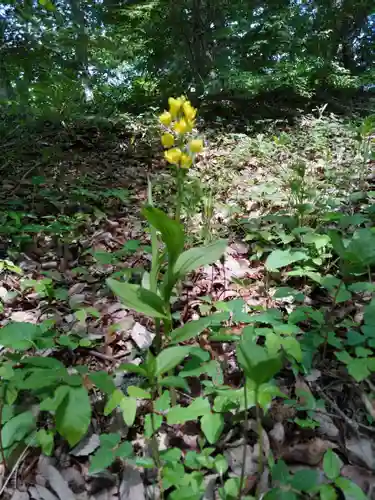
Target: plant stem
{"type": "Point", "coordinates": [242, 477]}
{"type": "Point", "coordinates": [260, 437]}
{"type": "Point", "coordinates": [2, 451]}
{"type": "Point", "coordinates": [155, 447]}
{"type": "Point", "coordinates": [180, 185]}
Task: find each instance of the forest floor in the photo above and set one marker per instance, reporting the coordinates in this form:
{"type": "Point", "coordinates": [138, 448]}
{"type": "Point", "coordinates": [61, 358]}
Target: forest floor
{"type": "Point", "coordinates": [70, 218]}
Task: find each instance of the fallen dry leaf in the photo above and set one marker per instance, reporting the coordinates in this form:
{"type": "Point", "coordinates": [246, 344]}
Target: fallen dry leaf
{"type": "Point", "coordinates": [361, 451]}
{"type": "Point", "coordinates": [309, 453]}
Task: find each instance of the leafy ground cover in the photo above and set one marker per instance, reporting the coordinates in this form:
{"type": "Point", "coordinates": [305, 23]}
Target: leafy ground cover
{"type": "Point", "coordinates": [185, 331]}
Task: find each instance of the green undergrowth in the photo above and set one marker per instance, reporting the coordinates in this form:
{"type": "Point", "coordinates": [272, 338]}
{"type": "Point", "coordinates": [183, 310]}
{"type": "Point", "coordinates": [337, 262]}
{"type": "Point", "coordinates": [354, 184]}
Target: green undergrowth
{"type": "Point", "coordinates": [310, 227]}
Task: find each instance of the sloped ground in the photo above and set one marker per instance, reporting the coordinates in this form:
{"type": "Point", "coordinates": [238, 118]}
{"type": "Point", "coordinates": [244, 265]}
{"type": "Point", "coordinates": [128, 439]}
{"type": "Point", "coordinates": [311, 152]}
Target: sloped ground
{"type": "Point", "coordinates": [71, 204]}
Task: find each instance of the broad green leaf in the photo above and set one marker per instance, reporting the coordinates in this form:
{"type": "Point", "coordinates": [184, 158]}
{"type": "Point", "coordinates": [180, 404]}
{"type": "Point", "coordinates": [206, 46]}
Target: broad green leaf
{"type": "Point", "coordinates": [190, 330]}
{"type": "Point", "coordinates": [331, 464]}
{"type": "Point", "coordinates": [163, 403]}
{"type": "Point", "coordinates": [139, 299]}
{"type": "Point", "coordinates": [257, 364]}
{"type": "Point", "coordinates": [132, 368]}
{"type": "Point", "coordinates": [232, 488]}
{"type": "Point", "coordinates": [280, 472]}
{"type": "Point", "coordinates": [282, 258]}
{"type": "Point", "coordinates": [362, 287]}
{"type": "Point", "coordinates": [125, 450]}
{"type": "Point", "coordinates": [19, 336]}
{"type": "Point", "coordinates": [39, 378]}
{"type": "Point", "coordinates": [221, 464]}
{"type": "Point", "coordinates": [292, 347]}
{"type": "Point", "coordinates": [179, 415]}
{"type": "Point", "coordinates": [327, 492]}
{"type": "Point", "coordinates": [73, 415]}
{"type": "Point", "coordinates": [172, 231]}
{"type": "Point", "coordinates": [103, 381]}
{"type": "Point", "coordinates": [350, 489]}
{"type": "Point", "coordinates": [172, 381]}
{"type": "Point", "coordinates": [45, 440]}
{"type": "Point", "coordinates": [43, 362]}
{"type": "Point", "coordinates": [51, 404]}
{"type": "Point", "coordinates": [17, 428]}
{"type": "Point", "coordinates": [212, 426]}
{"type": "Point", "coordinates": [138, 392]}
{"type": "Point", "coordinates": [172, 455]}
{"type": "Point", "coordinates": [129, 410]}
{"type": "Point", "coordinates": [109, 440]}
{"type": "Point", "coordinates": [305, 480]}
{"type": "Point", "coordinates": [170, 357]}
{"type": "Point", "coordinates": [152, 427]}
{"type": "Point", "coordinates": [197, 257]}
{"type": "Point", "coordinates": [101, 460]}
{"type": "Point", "coordinates": [319, 240]}
{"type": "Point", "coordinates": [358, 368]}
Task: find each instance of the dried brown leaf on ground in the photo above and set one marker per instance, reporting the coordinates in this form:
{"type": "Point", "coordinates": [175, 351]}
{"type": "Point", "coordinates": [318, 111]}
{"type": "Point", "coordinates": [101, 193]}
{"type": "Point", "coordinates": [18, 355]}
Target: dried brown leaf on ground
{"type": "Point", "coordinates": [361, 451]}
{"type": "Point", "coordinates": [310, 452]}
{"type": "Point", "coordinates": [131, 486]}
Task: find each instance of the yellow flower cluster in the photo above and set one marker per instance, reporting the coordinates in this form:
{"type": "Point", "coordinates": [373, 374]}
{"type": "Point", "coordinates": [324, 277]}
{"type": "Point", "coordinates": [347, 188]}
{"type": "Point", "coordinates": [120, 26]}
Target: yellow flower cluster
{"type": "Point", "coordinates": [180, 120]}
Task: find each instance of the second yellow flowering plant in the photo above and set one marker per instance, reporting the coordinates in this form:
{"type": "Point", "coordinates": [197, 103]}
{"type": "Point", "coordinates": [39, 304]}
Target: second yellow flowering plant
{"type": "Point", "coordinates": [180, 148]}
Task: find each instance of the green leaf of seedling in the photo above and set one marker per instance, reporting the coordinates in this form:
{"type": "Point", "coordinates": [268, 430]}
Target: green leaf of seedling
{"type": "Point", "coordinates": [358, 368]}
{"type": "Point", "coordinates": [51, 404]}
{"type": "Point", "coordinates": [256, 362]}
{"type": "Point", "coordinates": [125, 450]}
{"type": "Point", "coordinates": [178, 382]}
{"type": "Point", "coordinates": [138, 392]}
{"type": "Point", "coordinates": [351, 490]}
{"type": "Point", "coordinates": [194, 258]}
{"type": "Point", "coordinates": [163, 403]}
{"type": "Point", "coordinates": [304, 480]}
{"type": "Point", "coordinates": [171, 231]}
{"type": "Point", "coordinates": [179, 415]}
{"type": "Point", "coordinates": [327, 492]}
{"type": "Point", "coordinates": [73, 415]}
{"type": "Point", "coordinates": [212, 426]}
{"type": "Point", "coordinates": [19, 336]}
{"type": "Point", "coordinates": [190, 330]}
{"type": "Point", "coordinates": [113, 402]}
{"type": "Point", "coordinates": [152, 424]}
{"type": "Point", "coordinates": [282, 258]}
{"type": "Point", "coordinates": [221, 464]}
{"type": "Point", "coordinates": [232, 488]}
{"type": "Point", "coordinates": [280, 472]}
{"type": "Point", "coordinates": [109, 440]}
{"type": "Point", "coordinates": [171, 357]}
{"type": "Point", "coordinates": [172, 455]}
{"type": "Point", "coordinates": [101, 460]}
{"type": "Point", "coordinates": [131, 368]}
{"type": "Point", "coordinates": [45, 440]}
{"type": "Point", "coordinates": [139, 299]}
{"type": "Point", "coordinates": [129, 410]}
{"type": "Point", "coordinates": [292, 347]}
{"type": "Point", "coordinates": [362, 287]}
{"type": "Point", "coordinates": [17, 428]}
{"type": "Point", "coordinates": [331, 464]}
{"type": "Point", "coordinates": [103, 381]}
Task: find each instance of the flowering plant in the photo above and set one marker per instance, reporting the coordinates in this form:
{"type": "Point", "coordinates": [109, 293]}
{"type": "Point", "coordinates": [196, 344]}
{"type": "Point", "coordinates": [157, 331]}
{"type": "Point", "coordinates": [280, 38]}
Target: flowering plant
{"type": "Point", "coordinates": [180, 148]}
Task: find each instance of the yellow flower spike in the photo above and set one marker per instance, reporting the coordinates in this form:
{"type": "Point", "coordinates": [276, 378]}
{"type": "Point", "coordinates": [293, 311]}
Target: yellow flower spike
{"type": "Point", "coordinates": [174, 106]}
{"type": "Point", "coordinates": [167, 140]}
{"type": "Point", "coordinates": [173, 156]}
{"type": "Point", "coordinates": [165, 118]}
{"type": "Point", "coordinates": [189, 111]}
{"type": "Point", "coordinates": [183, 126]}
{"type": "Point", "coordinates": [196, 146]}
{"type": "Point", "coordinates": [185, 161]}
